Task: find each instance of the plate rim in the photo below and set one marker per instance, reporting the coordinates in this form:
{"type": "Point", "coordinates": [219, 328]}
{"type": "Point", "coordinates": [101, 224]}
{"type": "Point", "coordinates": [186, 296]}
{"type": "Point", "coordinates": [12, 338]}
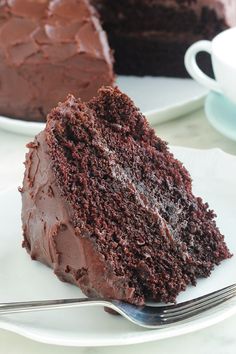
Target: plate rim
{"type": "Point", "coordinates": [167, 114]}
{"type": "Point", "coordinates": [173, 332]}
{"type": "Point", "coordinates": [154, 116]}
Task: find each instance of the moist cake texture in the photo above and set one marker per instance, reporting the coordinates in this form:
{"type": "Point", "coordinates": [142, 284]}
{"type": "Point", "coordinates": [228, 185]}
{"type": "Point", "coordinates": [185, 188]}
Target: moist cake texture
{"type": "Point", "coordinates": [109, 208]}
{"type": "Point", "coordinates": [49, 48]}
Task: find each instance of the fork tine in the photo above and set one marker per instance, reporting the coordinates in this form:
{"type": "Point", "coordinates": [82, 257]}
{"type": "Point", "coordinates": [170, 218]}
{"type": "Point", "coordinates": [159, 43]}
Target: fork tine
{"type": "Point", "coordinates": [197, 301]}
{"type": "Point", "coordinates": [200, 307]}
{"type": "Point", "coordinates": [153, 317]}
{"type": "Point", "coordinates": [156, 317]}
{"type": "Point", "coordinates": [197, 311]}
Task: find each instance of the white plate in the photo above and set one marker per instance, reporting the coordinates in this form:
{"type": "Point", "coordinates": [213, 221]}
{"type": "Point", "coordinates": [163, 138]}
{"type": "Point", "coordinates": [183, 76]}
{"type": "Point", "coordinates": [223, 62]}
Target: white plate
{"type": "Point", "coordinates": [214, 175]}
{"type": "Point", "coordinates": [160, 98]}
{"type": "Point", "coordinates": [163, 98]}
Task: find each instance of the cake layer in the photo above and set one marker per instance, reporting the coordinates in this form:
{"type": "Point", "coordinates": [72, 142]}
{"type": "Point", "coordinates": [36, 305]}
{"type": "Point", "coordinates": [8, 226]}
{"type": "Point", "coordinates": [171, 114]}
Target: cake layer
{"type": "Point", "coordinates": [172, 16]}
{"type": "Point", "coordinates": [109, 207]}
{"type": "Point", "coordinates": [151, 53]}
{"type": "Point", "coordinates": [159, 32]}
{"type": "Point", "coordinates": [47, 49]}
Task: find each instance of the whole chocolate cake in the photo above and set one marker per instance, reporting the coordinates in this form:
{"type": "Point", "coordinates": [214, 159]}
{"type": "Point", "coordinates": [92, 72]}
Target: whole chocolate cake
{"type": "Point", "coordinates": [109, 208]}
{"type": "Point", "coordinates": [49, 48]}
{"type": "Point", "coordinates": [150, 37]}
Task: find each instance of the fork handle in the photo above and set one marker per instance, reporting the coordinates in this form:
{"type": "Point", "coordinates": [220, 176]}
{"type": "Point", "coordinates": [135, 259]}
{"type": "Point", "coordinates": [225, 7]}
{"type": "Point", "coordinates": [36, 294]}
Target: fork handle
{"type": "Point", "coordinates": [32, 306]}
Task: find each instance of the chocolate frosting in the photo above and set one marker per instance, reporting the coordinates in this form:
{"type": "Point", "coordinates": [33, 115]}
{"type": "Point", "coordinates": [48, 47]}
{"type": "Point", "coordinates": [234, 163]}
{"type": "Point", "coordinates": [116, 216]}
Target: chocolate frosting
{"type": "Point", "coordinates": [224, 9]}
{"type": "Point", "coordinates": [50, 237]}
{"type": "Point", "coordinates": [47, 49]}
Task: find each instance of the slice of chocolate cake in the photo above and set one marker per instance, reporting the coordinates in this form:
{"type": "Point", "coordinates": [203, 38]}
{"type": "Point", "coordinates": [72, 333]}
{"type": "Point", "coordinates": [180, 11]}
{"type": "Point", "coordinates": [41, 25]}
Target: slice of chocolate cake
{"type": "Point", "coordinates": [110, 209]}
{"type": "Point", "coordinates": [47, 49]}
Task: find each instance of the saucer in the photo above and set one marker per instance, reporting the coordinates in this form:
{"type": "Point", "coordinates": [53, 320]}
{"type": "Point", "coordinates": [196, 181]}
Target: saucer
{"type": "Point", "coordinates": [221, 113]}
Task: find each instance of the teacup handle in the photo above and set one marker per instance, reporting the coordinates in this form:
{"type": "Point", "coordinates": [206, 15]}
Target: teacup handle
{"type": "Point", "coordinates": [193, 68]}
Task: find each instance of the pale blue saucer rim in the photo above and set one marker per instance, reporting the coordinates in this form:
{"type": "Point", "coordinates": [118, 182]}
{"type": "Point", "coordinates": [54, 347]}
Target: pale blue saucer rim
{"type": "Point", "coordinates": [211, 112]}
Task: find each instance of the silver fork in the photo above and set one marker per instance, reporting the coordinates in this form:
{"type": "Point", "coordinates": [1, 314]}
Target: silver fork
{"type": "Point", "coordinates": [144, 316]}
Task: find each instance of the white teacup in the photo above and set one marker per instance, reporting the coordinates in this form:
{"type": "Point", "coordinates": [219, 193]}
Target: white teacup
{"type": "Point", "coordinates": [223, 54]}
